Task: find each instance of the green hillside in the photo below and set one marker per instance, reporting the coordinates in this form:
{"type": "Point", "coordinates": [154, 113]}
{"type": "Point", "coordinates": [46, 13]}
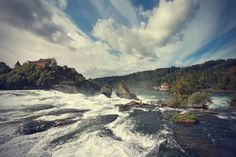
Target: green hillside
{"type": "Point", "coordinates": [218, 74]}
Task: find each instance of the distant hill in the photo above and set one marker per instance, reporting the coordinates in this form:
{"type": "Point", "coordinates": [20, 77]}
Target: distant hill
{"type": "Point", "coordinates": [46, 74]}
{"type": "Point", "coordinates": [43, 74]}
{"type": "Point", "coordinates": [215, 74]}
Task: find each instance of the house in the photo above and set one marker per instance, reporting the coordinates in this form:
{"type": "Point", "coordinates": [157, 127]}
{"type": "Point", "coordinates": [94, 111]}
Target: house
{"type": "Point", "coordinates": [42, 63]}
{"type": "Point", "coordinates": [164, 87]}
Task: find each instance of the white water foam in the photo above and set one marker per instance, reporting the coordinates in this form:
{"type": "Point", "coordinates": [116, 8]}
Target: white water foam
{"type": "Point", "coordinates": [220, 102]}
{"type": "Point", "coordinates": [126, 141]}
{"type": "Point", "coordinates": [87, 144]}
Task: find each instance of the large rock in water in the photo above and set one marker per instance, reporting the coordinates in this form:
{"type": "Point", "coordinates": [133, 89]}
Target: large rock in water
{"type": "Point", "coordinates": [134, 104]}
{"type": "Point", "coordinates": [106, 90]}
{"type": "Point", "coordinates": [123, 92]}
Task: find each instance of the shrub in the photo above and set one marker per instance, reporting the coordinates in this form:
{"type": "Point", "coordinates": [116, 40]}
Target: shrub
{"type": "Point", "coordinates": [184, 118]}
{"type": "Point", "coordinates": [199, 98]}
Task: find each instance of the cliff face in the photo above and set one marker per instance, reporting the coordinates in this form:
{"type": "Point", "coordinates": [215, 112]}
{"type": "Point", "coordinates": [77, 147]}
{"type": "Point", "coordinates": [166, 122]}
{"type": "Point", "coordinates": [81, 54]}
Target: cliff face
{"type": "Point", "coordinates": [29, 76]}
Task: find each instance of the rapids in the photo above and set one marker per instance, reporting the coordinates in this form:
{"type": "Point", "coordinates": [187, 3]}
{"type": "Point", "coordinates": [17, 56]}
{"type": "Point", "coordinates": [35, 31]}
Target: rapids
{"type": "Point", "coordinates": [49, 123]}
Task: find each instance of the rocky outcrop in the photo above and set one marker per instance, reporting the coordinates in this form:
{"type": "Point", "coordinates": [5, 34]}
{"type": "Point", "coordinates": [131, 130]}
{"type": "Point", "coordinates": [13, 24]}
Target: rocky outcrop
{"type": "Point", "coordinates": [31, 126]}
{"type": "Point", "coordinates": [123, 92]}
{"type": "Point", "coordinates": [135, 104]}
{"type": "Point", "coordinates": [106, 90]}
{"type": "Point", "coordinates": [65, 88]}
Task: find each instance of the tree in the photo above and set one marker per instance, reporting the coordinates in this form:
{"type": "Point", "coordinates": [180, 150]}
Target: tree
{"type": "Point", "coordinates": [4, 68]}
{"type": "Point", "coordinates": [45, 80]}
{"type": "Point", "coordinates": [17, 64]}
{"type": "Point", "coordinates": [181, 90]}
{"type": "Point", "coordinates": [183, 86]}
{"type": "Point", "coordinates": [199, 99]}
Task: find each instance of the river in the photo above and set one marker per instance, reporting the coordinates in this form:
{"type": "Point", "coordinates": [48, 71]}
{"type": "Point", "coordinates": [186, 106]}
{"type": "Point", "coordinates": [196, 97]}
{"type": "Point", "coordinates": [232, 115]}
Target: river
{"type": "Point", "coordinates": [42, 123]}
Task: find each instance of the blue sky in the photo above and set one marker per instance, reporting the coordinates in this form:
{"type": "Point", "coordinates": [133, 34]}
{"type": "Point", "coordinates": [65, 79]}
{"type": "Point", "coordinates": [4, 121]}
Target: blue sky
{"type": "Point", "coordinates": [116, 37]}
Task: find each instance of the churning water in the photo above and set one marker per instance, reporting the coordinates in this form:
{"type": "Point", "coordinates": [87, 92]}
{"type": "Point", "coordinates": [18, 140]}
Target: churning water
{"type": "Point", "coordinates": [50, 123]}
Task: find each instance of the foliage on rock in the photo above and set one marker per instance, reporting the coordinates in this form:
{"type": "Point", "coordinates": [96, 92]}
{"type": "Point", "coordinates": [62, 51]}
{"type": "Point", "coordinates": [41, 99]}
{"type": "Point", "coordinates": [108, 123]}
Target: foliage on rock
{"type": "Point", "coordinates": [29, 76]}
{"type": "Point", "coordinates": [198, 99]}
{"type": "Point", "coordinates": [186, 118]}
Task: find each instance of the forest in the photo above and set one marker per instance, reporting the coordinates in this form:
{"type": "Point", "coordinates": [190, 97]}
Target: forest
{"type": "Point", "coordinates": [214, 74]}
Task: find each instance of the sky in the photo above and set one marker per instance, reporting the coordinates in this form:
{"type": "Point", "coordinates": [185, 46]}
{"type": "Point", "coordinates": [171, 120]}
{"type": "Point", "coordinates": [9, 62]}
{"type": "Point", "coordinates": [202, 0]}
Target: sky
{"type": "Point", "coordinates": [116, 37]}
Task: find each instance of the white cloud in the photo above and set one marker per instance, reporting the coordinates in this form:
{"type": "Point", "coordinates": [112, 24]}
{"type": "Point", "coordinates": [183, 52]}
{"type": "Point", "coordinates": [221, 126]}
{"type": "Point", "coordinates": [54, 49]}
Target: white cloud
{"type": "Point", "coordinates": [120, 10]}
{"type": "Point", "coordinates": [126, 10]}
{"type": "Point", "coordinates": [78, 51]}
{"type": "Point", "coordinates": [146, 42]}
{"type": "Point", "coordinates": [171, 32]}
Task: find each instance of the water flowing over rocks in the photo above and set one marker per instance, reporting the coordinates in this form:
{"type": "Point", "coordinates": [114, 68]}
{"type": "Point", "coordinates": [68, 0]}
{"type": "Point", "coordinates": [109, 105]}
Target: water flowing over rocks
{"type": "Point", "coordinates": [55, 124]}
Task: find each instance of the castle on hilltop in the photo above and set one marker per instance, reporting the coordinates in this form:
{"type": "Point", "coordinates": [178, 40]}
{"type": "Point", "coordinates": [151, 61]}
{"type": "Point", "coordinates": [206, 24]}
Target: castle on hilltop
{"type": "Point", "coordinates": [42, 63]}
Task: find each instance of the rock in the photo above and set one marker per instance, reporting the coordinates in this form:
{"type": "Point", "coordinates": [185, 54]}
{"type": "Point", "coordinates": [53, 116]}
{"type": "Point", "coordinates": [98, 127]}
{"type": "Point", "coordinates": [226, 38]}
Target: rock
{"type": "Point", "coordinates": [199, 106]}
{"type": "Point", "coordinates": [106, 90]}
{"type": "Point", "coordinates": [31, 126]}
{"type": "Point", "coordinates": [123, 108]}
{"type": "Point", "coordinates": [65, 88]}
{"type": "Point", "coordinates": [207, 111]}
{"type": "Point", "coordinates": [123, 92]}
{"type": "Point", "coordinates": [136, 104]}
{"type": "Point", "coordinates": [133, 103]}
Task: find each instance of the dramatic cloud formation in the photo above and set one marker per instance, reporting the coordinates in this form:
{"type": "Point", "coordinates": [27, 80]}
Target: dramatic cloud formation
{"type": "Point", "coordinates": [164, 25]}
{"type": "Point", "coordinates": [110, 37]}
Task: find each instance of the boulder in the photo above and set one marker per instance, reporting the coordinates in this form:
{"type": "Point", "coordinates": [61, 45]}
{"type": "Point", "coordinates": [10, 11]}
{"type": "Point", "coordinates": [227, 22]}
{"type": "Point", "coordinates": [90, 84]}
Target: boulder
{"type": "Point", "coordinates": [136, 104]}
{"type": "Point", "coordinates": [123, 92]}
{"type": "Point", "coordinates": [31, 126]}
{"type": "Point", "coordinates": [106, 90]}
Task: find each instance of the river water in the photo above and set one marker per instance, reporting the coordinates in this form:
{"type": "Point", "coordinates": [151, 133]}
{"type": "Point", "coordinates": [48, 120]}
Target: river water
{"type": "Point", "coordinates": [41, 123]}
